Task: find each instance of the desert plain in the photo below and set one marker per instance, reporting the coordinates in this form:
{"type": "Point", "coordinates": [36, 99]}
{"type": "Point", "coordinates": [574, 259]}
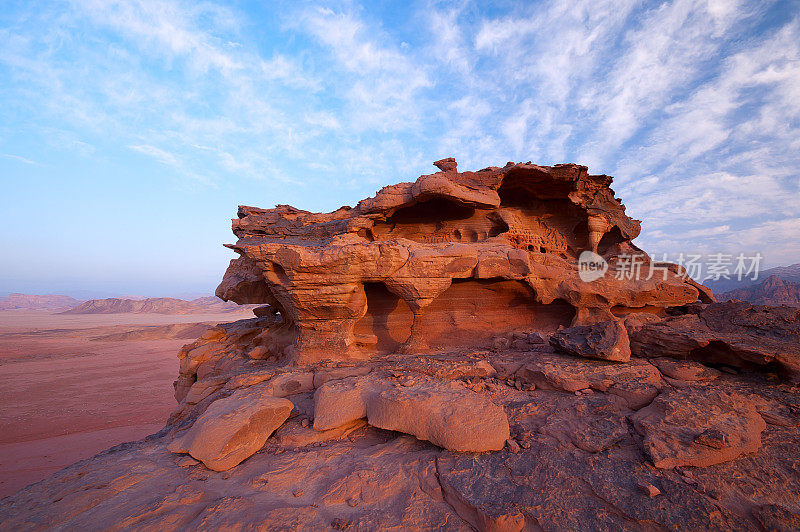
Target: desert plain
{"type": "Point", "coordinates": [73, 385]}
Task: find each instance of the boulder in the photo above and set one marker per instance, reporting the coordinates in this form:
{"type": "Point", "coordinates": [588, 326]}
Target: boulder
{"type": "Point", "coordinates": [339, 402]}
{"type": "Point", "coordinates": [605, 340]}
{"type": "Point", "coordinates": [450, 417]}
{"type": "Point", "coordinates": [636, 382]}
{"type": "Point", "coordinates": [447, 415]}
{"type": "Point", "coordinates": [234, 428]}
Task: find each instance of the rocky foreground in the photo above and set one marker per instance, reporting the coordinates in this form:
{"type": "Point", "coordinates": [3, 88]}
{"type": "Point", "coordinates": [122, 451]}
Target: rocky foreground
{"type": "Point", "coordinates": [434, 359]}
{"type": "Point", "coordinates": [519, 437]}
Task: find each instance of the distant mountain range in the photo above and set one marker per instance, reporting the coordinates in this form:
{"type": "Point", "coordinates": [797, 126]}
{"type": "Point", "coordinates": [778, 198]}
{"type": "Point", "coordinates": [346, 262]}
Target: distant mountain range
{"type": "Point", "coordinates": [37, 302]}
{"type": "Point", "coordinates": [771, 291]}
{"type": "Point", "coordinates": [154, 305]}
{"type": "Point", "coordinates": [787, 273]}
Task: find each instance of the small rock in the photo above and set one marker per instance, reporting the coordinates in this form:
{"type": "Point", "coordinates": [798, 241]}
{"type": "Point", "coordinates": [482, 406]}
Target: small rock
{"type": "Point", "coordinates": [352, 502]}
{"type": "Point", "coordinates": [713, 438]}
{"type": "Point", "coordinates": [537, 338]}
{"type": "Point", "coordinates": [513, 446]}
{"type": "Point", "coordinates": [684, 370]}
{"type": "Point", "coordinates": [304, 422]}
{"type": "Point", "coordinates": [188, 461]}
{"type": "Point", "coordinates": [478, 387]}
{"type": "Point", "coordinates": [214, 333]}
{"type": "Point", "coordinates": [500, 343]}
{"type": "Point", "coordinates": [259, 352]}
{"type": "Point", "coordinates": [648, 489]}
{"type": "Point", "coordinates": [298, 492]}
{"type": "Point", "coordinates": [340, 524]}
{"type": "Point", "coordinates": [519, 344]}
{"type": "Point", "coordinates": [264, 310]}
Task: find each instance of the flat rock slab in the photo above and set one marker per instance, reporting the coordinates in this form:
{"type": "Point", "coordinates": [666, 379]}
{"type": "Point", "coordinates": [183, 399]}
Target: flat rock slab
{"type": "Point", "coordinates": [637, 381]}
{"type": "Point", "coordinates": [684, 370]}
{"type": "Point", "coordinates": [234, 428]}
{"type": "Point", "coordinates": [698, 427]}
{"type": "Point", "coordinates": [445, 414]}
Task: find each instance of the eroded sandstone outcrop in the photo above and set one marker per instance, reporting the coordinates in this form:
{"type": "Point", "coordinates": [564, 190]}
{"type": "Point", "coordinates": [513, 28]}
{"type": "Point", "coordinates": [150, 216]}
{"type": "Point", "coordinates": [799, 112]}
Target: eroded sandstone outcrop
{"type": "Point", "coordinates": [449, 260]}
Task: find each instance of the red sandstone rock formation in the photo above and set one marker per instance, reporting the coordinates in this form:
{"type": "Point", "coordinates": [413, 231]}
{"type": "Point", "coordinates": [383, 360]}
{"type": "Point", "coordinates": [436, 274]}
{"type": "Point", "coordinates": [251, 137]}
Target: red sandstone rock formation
{"type": "Point", "coordinates": [611, 405]}
{"type": "Point", "coordinates": [449, 260]}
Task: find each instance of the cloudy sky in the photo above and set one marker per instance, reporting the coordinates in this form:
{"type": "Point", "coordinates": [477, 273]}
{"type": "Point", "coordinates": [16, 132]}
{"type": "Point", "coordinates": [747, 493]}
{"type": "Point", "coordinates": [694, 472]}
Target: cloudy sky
{"type": "Point", "coordinates": [130, 130]}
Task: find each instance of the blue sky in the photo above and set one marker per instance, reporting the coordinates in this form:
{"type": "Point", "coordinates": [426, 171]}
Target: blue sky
{"type": "Point", "coordinates": [131, 130]}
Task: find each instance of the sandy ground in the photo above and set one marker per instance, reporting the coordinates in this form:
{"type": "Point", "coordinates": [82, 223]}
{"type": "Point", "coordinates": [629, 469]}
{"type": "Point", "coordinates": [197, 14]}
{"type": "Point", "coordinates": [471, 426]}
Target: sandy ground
{"type": "Point", "coordinates": [65, 397]}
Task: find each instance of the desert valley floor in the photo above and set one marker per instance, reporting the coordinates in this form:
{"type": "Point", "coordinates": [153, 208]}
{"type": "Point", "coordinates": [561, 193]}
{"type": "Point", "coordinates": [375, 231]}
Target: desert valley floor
{"type": "Point", "coordinates": [67, 388]}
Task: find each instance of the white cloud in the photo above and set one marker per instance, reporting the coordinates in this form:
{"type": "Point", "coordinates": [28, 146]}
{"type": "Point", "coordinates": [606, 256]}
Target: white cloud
{"type": "Point", "coordinates": [380, 83]}
{"type": "Point", "coordinates": [449, 44]}
{"type": "Point", "coordinates": [168, 28]}
{"type": "Point", "coordinates": [777, 240]}
{"type": "Point", "coordinates": [162, 156]}
{"type": "Point", "coordinates": [709, 231]}
{"type": "Point", "coordinates": [667, 51]}
{"type": "Point", "coordinates": [20, 159]}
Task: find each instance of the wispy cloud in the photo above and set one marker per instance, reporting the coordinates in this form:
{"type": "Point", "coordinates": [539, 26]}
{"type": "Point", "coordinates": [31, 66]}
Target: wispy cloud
{"type": "Point", "coordinates": [381, 83]}
{"type": "Point", "coordinates": [162, 156]}
{"type": "Point", "coordinates": [20, 159]}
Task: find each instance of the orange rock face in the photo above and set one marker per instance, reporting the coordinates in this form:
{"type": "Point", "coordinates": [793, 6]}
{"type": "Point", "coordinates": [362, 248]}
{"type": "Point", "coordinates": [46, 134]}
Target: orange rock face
{"type": "Point", "coordinates": [449, 260]}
